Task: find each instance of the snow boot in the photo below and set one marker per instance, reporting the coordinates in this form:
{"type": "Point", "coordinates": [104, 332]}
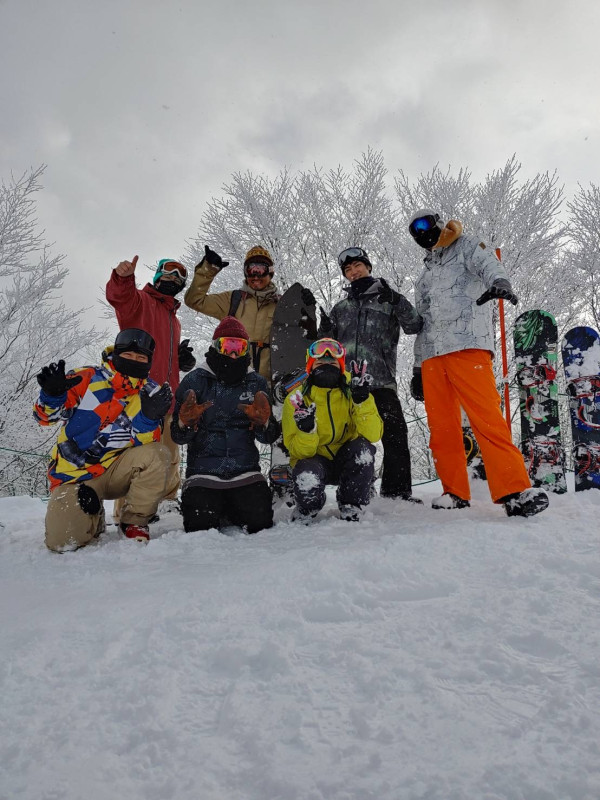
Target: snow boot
{"type": "Point", "coordinates": [138, 532]}
{"type": "Point", "coordinates": [304, 519]}
{"type": "Point", "coordinates": [448, 500]}
{"type": "Point", "coordinates": [525, 504]}
{"type": "Point", "coordinates": [351, 513]}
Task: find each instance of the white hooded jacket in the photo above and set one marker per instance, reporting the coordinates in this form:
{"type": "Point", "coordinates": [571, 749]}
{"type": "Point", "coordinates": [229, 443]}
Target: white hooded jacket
{"type": "Point", "coordinates": [457, 272]}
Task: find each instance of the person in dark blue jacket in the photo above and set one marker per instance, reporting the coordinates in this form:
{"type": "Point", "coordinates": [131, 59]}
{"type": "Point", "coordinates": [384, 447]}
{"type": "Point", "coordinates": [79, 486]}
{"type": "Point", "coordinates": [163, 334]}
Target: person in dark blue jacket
{"type": "Point", "coordinates": [221, 409]}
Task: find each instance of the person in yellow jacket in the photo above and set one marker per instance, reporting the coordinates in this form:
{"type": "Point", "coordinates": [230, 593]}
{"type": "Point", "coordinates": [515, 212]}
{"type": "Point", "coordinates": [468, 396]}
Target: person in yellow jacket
{"type": "Point", "coordinates": [329, 427]}
{"type": "Point", "coordinates": [253, 305]}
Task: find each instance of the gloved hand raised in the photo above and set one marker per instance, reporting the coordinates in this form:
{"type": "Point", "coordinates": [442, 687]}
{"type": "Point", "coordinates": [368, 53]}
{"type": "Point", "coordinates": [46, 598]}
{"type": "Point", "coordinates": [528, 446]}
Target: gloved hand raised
{"type": "Point", "coordinates": [190, 411]}
{"type": "Point", "coordinates": [259, 411]}
{"type": "Point", "coordinates": [184, 354]}
{"type": "Point", "coordinates": [214, 259]}
{"type": "Point", "coordinates": [304, 416]}
{"type": "Point", "coordinates": [499, 290]}
{"type": "Point", "coordinates": [360, 382]}
{"type": "Point", "coordinates": [53, 380]}
{"type": "Point", "coordinates": [326, 323]}
{"type": "Point", "coordinates": [416, 385]}
{"type": "Point", "coordinates": [155, 401]}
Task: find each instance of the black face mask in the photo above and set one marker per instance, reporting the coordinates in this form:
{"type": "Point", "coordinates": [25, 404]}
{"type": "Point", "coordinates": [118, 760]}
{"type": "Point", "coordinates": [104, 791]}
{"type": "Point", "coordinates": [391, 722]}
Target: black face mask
{"type": "Point", "coordinates": [168, 288]}
{"type": "Point", "coordinates": [326, 376]}
{"type": "Point", "coordinates": [427, 239]}
{"type": "Point", "coordinates": [228, 370]}
{"type": "Point", "coordinates": [133, 369]}
{"type": "Point", "coordinates": [360, 285]}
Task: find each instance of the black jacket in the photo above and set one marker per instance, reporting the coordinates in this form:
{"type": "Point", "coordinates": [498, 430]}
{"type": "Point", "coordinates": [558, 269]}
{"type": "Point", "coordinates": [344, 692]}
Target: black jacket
{"type": "Point", "coordinates": [223, 445]}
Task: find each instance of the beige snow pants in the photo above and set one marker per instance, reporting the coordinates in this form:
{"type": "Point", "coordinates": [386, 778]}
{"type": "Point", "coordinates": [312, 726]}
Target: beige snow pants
{"type": "Point", "coordinates": [139, 476]}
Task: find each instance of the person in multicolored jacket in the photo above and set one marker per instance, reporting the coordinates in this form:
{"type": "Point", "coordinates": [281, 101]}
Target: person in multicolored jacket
{"type": "Point", "coordinates": [453, 365]}
{"type": "Point", "coordinates": [109, 443]}
{"type": "Point", "coordinates": [367, 322]}
{"type": "Point", "coordinates": [329, 427]}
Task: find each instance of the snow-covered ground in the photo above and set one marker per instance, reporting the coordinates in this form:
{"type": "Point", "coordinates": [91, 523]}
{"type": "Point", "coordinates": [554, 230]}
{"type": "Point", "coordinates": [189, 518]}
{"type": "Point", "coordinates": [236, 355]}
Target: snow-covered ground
{"type": "Point", "coordinates": [442, 655]}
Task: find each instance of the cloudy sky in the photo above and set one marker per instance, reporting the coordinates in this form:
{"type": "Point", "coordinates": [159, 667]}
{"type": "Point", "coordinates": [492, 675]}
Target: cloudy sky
{"type": "Point", "coordinates": [142, 109]}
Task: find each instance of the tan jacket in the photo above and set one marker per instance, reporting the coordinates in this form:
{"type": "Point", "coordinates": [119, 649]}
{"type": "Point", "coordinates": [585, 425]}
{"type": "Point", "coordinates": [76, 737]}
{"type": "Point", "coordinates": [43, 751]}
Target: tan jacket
{"type": "Point", "coordinates": [255, 311]}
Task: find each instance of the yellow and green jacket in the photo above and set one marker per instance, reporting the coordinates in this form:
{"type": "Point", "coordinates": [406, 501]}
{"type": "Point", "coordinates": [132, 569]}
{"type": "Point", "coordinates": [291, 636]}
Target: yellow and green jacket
{"type": "Point", "coordinates": [101, 417]}
{"type": "Point", "coordinates": [338, 418]}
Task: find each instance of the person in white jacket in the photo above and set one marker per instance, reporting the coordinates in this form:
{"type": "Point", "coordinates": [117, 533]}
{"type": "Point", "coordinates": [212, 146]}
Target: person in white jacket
{"type": "Point", "coordinates": [453, 365]}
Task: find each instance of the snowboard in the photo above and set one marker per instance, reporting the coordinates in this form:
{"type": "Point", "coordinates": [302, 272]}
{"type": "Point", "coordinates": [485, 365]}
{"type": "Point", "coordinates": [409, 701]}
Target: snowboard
{"type": "Point", "coordinates": [475, 465]}
{"type": "Point", "coordinates": [536, 352]}
{"type": "Point", "coordinates": [581, 360]}
{"type": "Point", "coordinates": [293, 329]}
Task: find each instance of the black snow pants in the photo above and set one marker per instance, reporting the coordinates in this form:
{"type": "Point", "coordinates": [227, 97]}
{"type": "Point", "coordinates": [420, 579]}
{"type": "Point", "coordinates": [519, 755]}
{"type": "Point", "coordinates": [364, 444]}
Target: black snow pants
{"type": "Point", "coordinates": [247, 506]}
{"type": "Point", "coordinates": [352, 469]}
{"type": "Point", "coordinates": [396, 480]}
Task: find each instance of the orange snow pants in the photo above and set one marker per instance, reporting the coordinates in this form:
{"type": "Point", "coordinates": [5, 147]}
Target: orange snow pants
{"type": "Point", "coordinates": [466, 378]}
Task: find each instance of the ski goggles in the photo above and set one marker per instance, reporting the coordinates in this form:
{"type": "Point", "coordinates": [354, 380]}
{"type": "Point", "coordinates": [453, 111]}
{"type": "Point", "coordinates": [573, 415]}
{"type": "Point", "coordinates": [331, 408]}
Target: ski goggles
{"type": "Point", "coordinates": [135, 339]}
{"type": "Point", "coordinates": [423, 224]}
{"type": "Point", "coordinates": [173, 268]}
{"type": "Point", "coordinates": [324, 348]}
{"type": "Point", "coordinates": [352, 254]}
{"type": "Point", "coordinates": [257, 270]}
{"type": "Point", "coordinates": [231, 345]}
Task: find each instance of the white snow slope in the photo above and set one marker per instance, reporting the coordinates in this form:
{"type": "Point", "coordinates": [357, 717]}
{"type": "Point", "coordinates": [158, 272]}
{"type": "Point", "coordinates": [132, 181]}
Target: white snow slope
{"type": "Point", "coordinates": [441, 655]}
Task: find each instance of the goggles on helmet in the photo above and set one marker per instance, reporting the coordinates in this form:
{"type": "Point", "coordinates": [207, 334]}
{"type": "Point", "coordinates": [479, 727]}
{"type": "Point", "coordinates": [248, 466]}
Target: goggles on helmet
{"type": "Point", "coordinates": [352, 254]}
{"type": "Point", "coordinates": [173, 268]}
{"type": "Point", "coordinates": [231, 345]}
{"type": "Point", "coordinates": [256, 270]}
{"type": "Point", "coordinates": [423, 224]}
{"type": "Point", "coordinates": [326, 347]}
{"type": "Point", "coordinates": [135, 339]}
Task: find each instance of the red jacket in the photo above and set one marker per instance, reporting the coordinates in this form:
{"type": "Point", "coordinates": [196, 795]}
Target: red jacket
{"type": "Point", "coordinates": [153, 312]}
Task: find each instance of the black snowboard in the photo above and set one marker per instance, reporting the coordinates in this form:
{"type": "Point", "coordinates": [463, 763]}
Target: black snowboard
{"type": "Point", "coordinates": [536, 353]}
{"type": "Point", "coordinates": [581, 359]}
{"type": "Point", "coordinates": [293, 329]}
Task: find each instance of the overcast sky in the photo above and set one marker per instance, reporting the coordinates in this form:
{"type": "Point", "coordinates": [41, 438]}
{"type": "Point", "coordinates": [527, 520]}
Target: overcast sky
{"type": "Point", "coordinates": [142, 109]}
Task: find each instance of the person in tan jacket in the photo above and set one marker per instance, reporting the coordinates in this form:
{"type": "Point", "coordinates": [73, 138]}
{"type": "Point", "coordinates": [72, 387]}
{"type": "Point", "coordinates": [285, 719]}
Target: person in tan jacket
{"type": "Point", "coordinates": [253, 305]}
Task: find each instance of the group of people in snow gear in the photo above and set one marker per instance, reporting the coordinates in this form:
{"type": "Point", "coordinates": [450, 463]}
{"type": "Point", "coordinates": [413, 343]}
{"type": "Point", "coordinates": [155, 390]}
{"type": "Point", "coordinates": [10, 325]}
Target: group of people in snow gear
{"type": "Point", "coordinates": [347, 403]}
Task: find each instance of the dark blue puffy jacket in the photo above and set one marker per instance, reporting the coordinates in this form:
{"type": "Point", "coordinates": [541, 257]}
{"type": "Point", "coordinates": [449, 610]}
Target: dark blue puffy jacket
{"type": "Point", "coordinates": [223, 445]}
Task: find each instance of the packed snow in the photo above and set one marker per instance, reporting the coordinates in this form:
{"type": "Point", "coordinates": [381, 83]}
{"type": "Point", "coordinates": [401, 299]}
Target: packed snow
{"type": "Point", "coordinates": [439, 655]}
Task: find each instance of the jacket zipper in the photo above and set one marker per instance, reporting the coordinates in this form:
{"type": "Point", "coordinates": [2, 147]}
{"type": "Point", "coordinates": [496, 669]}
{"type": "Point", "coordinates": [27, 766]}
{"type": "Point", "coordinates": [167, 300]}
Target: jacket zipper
{"type": "Point", "coordinates": [170, 345]}
{"type": "Point", "coordinates": [332, 424]}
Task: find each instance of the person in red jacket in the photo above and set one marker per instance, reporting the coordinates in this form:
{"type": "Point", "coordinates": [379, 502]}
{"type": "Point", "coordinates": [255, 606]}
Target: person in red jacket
{"type": "Point", "coordinates": [154, 309]}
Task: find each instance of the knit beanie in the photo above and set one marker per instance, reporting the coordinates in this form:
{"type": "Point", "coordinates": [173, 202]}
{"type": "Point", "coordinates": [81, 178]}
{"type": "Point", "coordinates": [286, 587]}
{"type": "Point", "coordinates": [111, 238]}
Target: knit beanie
{"type": "Point", "coordinates": [230, 326]}
{"type": "Point", "coordinates": [259, 255]}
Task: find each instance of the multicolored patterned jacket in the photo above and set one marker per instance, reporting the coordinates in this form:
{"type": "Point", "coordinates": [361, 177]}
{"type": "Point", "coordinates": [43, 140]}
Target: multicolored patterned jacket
{"type": "Point", "coordinates": [101, 417]}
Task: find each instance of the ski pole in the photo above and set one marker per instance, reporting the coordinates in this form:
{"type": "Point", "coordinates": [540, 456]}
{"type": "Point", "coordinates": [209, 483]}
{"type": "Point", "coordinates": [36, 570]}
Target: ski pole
{"type": "Point", "coordinates": [504, 354]}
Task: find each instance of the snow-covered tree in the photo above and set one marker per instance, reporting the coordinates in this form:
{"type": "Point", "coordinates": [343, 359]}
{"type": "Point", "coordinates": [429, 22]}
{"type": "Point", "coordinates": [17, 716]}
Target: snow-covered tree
{"type": "Point", "coordinates": [582, 263]}
{"type": "Point", "coordinates": [35, 329]}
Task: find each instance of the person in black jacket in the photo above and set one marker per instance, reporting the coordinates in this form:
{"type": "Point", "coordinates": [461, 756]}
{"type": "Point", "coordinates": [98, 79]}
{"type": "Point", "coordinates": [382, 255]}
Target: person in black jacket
{"type": "Point", "coordinates": [367, 322]}
{"type": "Point", "coordinates": [221, 408]}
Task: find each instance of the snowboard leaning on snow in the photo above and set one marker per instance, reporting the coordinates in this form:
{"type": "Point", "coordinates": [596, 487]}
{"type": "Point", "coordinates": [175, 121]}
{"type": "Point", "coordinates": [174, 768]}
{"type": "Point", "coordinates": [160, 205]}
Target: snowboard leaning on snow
{"type": "Point", "coordinates": [289, 342]}
{"type": "Point", "coordinates": [536, 353]}
{"type": "Point", "coordinates": [581, 360]}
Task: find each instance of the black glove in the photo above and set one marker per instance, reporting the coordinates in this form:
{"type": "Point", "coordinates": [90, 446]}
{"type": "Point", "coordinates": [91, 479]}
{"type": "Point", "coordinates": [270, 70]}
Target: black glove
{"type": "Point", "coordinates": [308, 297]}
{"type": "Point", "coordinates": [156, 402]}
{"type": "Point", "coordinates": [214, 258]}
{"type": "Point", "coordinates": [360, 382]}
{"type": "Point", "coordinates": [53, 380]}
{"type": "Point", "coordinates": [326, 324]}
{"type": "Point", "coordinates": [416, 385]}
{"type": "Point", "coordinates": [499, 290]}
{"type": "Point", "coordinates": [304, 416]}
{"type": "Point", "coordinates": [184, 354]}
{"type": "Point", "coordinates": [386, 294]}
